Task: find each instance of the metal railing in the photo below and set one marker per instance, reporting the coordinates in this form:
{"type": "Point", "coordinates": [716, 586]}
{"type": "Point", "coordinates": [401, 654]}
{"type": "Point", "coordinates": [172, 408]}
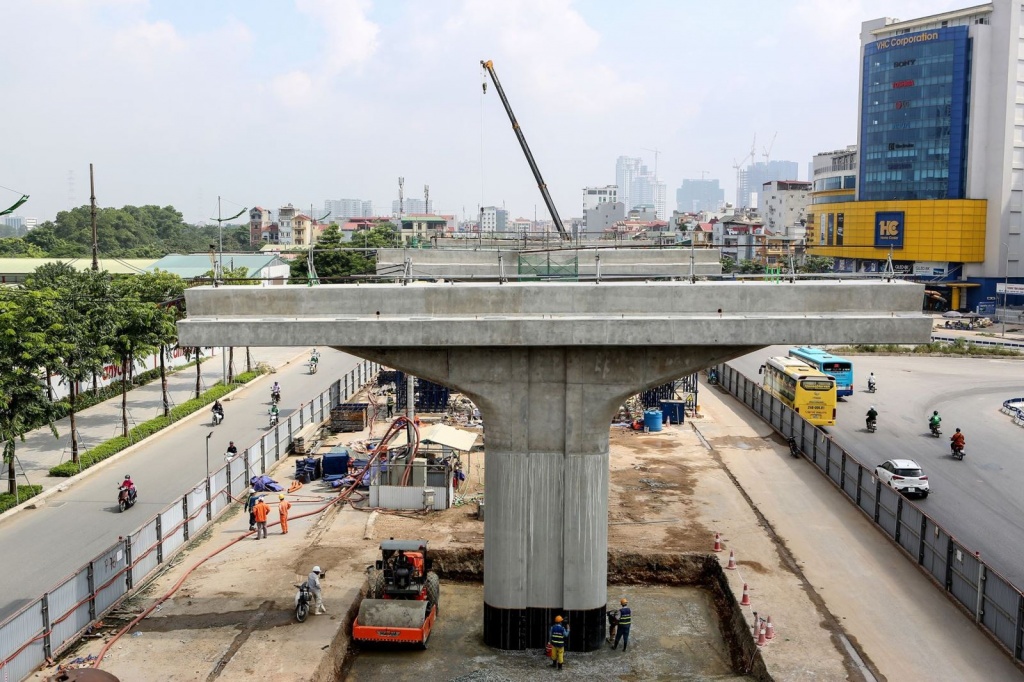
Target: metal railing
{"type": "Point", "coordinates": [996, 604]}
{"type": "Point", "coordinates": [42, 628]}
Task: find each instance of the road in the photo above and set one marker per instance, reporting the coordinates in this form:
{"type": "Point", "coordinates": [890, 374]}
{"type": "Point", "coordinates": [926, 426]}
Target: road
{"type": "Point", "coordinates": [45, 545]}
{"type": "Point", "coordinates": [978, 500]}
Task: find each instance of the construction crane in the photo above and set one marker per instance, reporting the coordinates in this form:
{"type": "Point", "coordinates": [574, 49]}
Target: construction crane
{"type": "Point", "coordinates": [768, 150]}
{"type": "Point", "coordinates": [656, 153]}
{"type": "Point", "coordinates": [489, 68]}
{"type": "Point", "coordinates": [739, 164]}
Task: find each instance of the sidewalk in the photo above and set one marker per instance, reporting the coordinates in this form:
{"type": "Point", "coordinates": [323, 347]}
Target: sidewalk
{"type": "Point", "coordinates": [101, 422]}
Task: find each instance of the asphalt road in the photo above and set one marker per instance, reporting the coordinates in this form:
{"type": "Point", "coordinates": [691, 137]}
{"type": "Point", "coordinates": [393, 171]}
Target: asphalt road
{"type": "Point", "coordinates": [43, 546]}
{"type": "Point", "coordinates": [979, 499]}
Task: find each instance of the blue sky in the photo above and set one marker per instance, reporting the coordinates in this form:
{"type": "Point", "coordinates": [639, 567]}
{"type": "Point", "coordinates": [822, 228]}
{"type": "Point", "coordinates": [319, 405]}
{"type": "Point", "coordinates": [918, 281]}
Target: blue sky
{"type": "Point", "coordinates": [274, 101]}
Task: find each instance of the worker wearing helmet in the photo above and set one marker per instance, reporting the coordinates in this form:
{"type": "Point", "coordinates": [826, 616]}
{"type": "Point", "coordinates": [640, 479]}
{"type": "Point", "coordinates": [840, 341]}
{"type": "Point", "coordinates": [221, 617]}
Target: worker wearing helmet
{"type": "Point", "coordinates": [871, 416]}
{"type": "Point", "coordinates": [313, 582]}
{"type": "Point", "coordinates": [557, 638]}
{"type": "Point", "coordinates": [625, 620]}
{"type": "Point", "coordinates": [283, 506]}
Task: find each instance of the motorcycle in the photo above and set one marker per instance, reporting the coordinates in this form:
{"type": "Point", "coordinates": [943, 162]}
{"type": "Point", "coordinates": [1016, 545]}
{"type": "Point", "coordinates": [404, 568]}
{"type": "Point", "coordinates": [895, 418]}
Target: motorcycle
{"type": "Point", "coordinates": [218, 417]}
{"type": "Point", "coordinates": [936, 431]}
{"type": "Point", "coordinates": [126, 498]}
{"type": "Point", "coordinates": [275, 397]}
{"type": "Point", "coordinates": [872, 425]}
{"type": "Point", "coordinates": [957, 451]}
{"type": "Point", "coordinates": [273, 419]}
{"type": "Point", "coordinates": [303, 598]}
{"type": "Point", "coordinates": [871, 387]}
{"type": "Point", "coordinates": [794, 449]}
{"type": "Point", "coordinates": [312, 366]}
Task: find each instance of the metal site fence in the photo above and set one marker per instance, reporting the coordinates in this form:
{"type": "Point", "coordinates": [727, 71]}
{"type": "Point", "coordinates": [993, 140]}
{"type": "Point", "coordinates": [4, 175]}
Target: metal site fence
{"type": "Point", "coordinates": [997, 604]}
{"type": "Point", "coordinates": [41, 629]}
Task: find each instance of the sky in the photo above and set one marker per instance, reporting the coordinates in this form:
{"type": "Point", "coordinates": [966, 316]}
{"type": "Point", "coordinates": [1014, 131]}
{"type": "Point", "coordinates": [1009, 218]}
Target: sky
{"type": "Point", "coordinates": [269, 102]}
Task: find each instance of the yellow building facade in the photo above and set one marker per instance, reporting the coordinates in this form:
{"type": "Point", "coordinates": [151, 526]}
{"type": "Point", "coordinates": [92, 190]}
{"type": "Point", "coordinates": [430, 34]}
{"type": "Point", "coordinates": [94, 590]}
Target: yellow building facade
{"type": "Point", "coordinates": [945, 230]}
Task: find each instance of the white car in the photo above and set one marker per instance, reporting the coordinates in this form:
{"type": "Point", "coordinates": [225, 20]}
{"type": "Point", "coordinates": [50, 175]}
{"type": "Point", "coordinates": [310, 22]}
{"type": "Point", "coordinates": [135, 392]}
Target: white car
{"type": "Point", "coordinates": [903, 476]}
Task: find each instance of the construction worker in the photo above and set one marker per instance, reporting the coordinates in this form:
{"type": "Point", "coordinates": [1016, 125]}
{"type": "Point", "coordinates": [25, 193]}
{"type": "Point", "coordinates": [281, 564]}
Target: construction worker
{"type": "Point", "coordinates": [559, 634]}
{"type": "Point", "coordinates": [249, 504]}
{"type": "Point", "coordinates": [260, 512]}
{"type": "Point", "coordinates": [625, 620]}
{"type": "Point", "coordinates": [283, 506]}
{"type": "Point", "coordinates": [391, 406]}
{"type": "Point", "coordinates": [313, 582]}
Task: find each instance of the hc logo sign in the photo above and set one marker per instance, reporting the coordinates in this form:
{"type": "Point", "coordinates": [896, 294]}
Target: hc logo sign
{"type": "Point", "coordinates": [889, 228]}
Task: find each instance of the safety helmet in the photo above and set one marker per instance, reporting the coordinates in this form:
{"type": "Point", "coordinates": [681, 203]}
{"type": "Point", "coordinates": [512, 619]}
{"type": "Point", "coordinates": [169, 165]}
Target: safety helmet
{"type": "Point", "coordinates": [935, 412]}
{"type": "Point", "coordinates": [558, 619]}
{"type": "Point", "coordinates": [623, 601]}
{"type": "Point", "coordinates": [280, 496]}
{"type": "Point", "coordinates": [958, 430]}
{"type": "Point", "coordinates": [316, 569]}
{"type": "Point", "coordinates": [872, 407]}
{"type": "Point", "coordinates": [128, 477]}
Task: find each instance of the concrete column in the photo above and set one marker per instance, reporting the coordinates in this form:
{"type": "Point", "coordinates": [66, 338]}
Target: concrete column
{"type": "Point", "coordinates": [546, 414]}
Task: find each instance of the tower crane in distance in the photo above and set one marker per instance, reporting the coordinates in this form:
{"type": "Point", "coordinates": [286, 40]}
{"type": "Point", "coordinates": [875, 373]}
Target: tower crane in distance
{"type": "Point", "coordinates": [488, 66]}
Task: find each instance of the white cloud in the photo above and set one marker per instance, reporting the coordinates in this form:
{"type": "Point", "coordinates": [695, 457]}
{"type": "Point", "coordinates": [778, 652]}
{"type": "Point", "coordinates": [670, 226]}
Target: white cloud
{"type": "Point", "coordinates": [144, 40]}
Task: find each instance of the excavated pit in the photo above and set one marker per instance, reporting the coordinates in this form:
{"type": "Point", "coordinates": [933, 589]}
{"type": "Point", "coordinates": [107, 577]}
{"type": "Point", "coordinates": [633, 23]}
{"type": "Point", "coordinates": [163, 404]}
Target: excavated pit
{"type": "Point", "coordinates": [687, 625]}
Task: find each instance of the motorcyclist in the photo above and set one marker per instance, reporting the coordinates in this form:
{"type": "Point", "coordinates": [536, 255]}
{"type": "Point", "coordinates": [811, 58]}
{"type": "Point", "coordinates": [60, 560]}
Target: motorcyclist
{"type": "Point", "coordinates": [871, 381]}
{"type": "Point", "coordinates": [871, 416]}
{"type": "Point", "coordinates": [232, 450]}
{"type": "Point", "coordinates": [313, 582]}
{"type": "Point", "coordinates": [129, 485]}
{"type": "Point", "coordinates": [274, 413]}
{"type": "Point", "coordinates": [275, 392]}
{"type": "Point", "coordinates": [315, 356]}
{"type": "Point", "coordinates": [934, 421]}
{"type": "Point", "coordinates": [218, 409]}
{"type": "Point", "coordinates": [957, 442]}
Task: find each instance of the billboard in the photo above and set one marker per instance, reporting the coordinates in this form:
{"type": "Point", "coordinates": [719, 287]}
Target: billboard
{"type": "Point", "coordinates": [889, 229]}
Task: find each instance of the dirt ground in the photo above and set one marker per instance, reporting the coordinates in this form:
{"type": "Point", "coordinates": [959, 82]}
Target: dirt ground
{"type": "Point", "coordinates": [232, 618]}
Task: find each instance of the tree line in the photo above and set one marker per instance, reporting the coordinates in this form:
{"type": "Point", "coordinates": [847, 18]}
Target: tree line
{"type": "Point", "coordinates": [65, 325]}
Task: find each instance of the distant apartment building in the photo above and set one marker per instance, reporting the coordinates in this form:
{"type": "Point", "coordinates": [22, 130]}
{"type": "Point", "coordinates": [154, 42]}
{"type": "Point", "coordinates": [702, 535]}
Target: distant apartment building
{"type": "Point", "coordinates": [259, 225]}
{"type": "Point", "coordinates": [694, 196]}
{"type": "Point", "coordinates": [593, 196]}
{"type": "Point", "coordinates": [411, 206]}
{"type": "Point", "coordinates": [342, 209]}
{"type": "Point", "coordinates": [784, 204]}
{"type": "Point", "coordinates": [521, 226]}
{"type": "Point", "coordinates": [753, 177]}
{"type": "Point", "coordinates": [285, 217]}
{"type": "Point", "coordinates": [416, 229]}
{"type": "Point", "coordinates": [493, 219]}
{"type": "Point", "coordinates": [637, 185]}
{"type": "Point", "coordinates": [603, 216]}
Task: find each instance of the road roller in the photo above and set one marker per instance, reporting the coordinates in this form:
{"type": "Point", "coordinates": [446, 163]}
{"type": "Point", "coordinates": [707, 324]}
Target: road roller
{"type": "Point", "coordinates": [402, 598]}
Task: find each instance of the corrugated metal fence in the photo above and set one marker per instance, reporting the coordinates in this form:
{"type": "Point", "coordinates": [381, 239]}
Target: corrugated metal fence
{"type": "Point", "coordinates": [56, 619]}
{"type": "Point", "coordinates": [997, 604]}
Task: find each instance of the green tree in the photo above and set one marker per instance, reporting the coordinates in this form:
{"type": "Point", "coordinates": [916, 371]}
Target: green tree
{"type": "Point", "coordinates": [16, 247]}
{"type": "Point", "coordinates": [77, 339]}
{"type": "Point", "coordinates": [816, 264]}
{"type": "Point", "coordinates": [137, 328]}
{"type": "Point", "coordinates": [23, 398]}
{"type": "Point", "coordinates": [728, 265]}
{"type": "Point", "coordinates": [335, 261]}
{"type": "Point", "coordinates": [749, 267]}
{"type": "Point", "coordinates": [166, 292]}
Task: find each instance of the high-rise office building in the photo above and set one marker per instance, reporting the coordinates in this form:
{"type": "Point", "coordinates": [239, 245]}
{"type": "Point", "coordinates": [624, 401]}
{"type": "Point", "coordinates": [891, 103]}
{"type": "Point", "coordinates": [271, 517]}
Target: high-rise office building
{"type": "Point", "coordinates": [626, 170]}
{"type": "Point", "coordinates": [638, 186]}
{"type": "Point", "coordinates": [940, 173]}
{"type": "Point", "coordinates": [694, 196]}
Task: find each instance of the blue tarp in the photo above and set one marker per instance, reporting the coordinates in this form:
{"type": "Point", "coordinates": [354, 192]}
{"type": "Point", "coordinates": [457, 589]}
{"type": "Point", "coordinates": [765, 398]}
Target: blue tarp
{"type": "Point", "coordinates": [264, 483]}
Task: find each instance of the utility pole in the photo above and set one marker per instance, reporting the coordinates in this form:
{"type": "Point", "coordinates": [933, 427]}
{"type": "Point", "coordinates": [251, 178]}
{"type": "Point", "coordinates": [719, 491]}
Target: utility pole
{"type": "Point", "coordinates": [92, 213]}
{"type": "Point", "coordinates": [401, 200]}
{"type": "Point", "coordinates": [426, 199]}
{"type": "Point", "coordinates": [1006, 287]}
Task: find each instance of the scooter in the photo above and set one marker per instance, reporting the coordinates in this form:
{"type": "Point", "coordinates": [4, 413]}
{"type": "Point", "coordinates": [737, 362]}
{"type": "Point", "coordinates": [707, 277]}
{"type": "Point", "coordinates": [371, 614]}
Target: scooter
{"type": "Point", "coordinates": [303, 598]}
{"type": "Point", "coordinates": [957, 451]}
{"type": "Point", "coordinates": [312, 366]}
{"type": "Point", "coordinates": [794, 449]}
{"type": "Point", "coordinates": [871, 387]}
{"type": "Point", "coordinates": [275, 397]}
{"type": "Point", "coordinates": [273, 419]}
{"type": "Point", "coordinates": [936, 431]}
{"type": "Point", "coordinates": [218, 417]}
{"type": "Point", "coordinates": [126, 498]}
{"type": "Point", "coordinates": [872, 425]}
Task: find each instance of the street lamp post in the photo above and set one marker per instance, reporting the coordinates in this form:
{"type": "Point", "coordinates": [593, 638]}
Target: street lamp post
{"type": "Point", "coordinates": [209, 502]}
{"type": "Point", "coordinates": [208, 436]}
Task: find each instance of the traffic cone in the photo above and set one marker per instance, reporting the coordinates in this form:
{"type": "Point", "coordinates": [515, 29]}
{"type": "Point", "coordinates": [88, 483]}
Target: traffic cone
{"type": "Point", "coordinates": [718, 542]}
{"type": "Point", "coordinates": [761, 640]}
{"type": "Point", "coordinates": [732, 561]}
{"type": "Point", "coordinates": [769, 629]}
{"type": "Point", "coordinates": [745, 601]}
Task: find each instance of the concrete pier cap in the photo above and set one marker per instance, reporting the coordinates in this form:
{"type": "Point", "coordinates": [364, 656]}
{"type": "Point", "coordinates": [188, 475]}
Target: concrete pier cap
{"type": "Point", "coordinates": [548, 365]}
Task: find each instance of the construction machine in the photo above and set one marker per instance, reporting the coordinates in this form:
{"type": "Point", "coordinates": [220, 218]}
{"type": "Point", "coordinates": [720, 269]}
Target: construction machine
{"type": "Point", "coordinates": [488, 66]}
{"type": "Point", "coordinates": [402, 599]}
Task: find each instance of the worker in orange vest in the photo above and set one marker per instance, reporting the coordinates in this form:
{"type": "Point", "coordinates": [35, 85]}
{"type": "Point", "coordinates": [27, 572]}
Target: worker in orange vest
{"type": "Point", "coordinates": [282, 507]}
{"type": "Point", "coordinates": [260, 511]}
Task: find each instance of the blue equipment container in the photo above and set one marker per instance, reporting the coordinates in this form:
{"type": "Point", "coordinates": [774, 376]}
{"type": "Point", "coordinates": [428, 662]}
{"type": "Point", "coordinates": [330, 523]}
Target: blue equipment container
{"type": "Point", "coordinates": [673, 410]}
{"type": "Point", "coordinates": [652, 420]}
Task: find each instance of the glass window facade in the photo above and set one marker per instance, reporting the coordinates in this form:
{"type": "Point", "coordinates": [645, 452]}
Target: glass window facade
{"type": "Point", "coordinates": [914, 116]}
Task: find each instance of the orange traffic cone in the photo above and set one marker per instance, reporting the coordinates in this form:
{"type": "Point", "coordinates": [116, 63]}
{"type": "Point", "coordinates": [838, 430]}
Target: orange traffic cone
{"type": "Point", "coordinates": [769, 629]}
{"type": "Point", "coordinates": [745, 601]}
{"type": "Point", "coordinates": [732, 561]}
{"type": "Point", "coordinates": [761, 640]}
{"type": "Point", "coordinates": [718, 542]}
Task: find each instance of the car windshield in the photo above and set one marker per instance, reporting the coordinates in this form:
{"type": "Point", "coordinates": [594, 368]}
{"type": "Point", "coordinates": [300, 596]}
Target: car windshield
{"type": "Point", "coordinates": [909, 473]}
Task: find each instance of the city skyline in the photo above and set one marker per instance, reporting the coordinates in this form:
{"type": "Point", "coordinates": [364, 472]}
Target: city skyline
{"type": "Point", "coordinates": [177, 104]}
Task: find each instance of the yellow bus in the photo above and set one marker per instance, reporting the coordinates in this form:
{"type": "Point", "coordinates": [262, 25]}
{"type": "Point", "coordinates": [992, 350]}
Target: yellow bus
{"type": "Point", "coordinates": [812, 394]}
